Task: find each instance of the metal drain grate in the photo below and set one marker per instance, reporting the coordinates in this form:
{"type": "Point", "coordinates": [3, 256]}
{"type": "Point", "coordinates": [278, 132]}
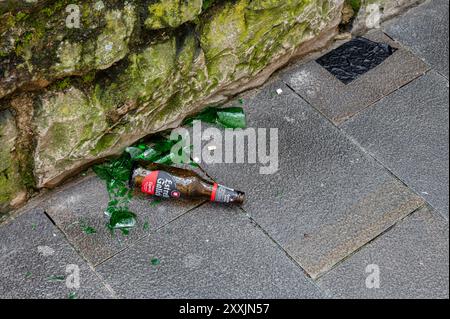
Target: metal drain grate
{"type": "Point", "coordinates": [355, 58]}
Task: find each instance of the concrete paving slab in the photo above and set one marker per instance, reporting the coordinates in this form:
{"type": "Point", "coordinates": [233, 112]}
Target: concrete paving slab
{"type": "Point", "coordinates": [328, 197]}
{"type": "Point", "coordinates": [37, 262]}
{"type": "Point", "coordinates": [211, 252]}
{"type": "Point", "coordinates": [425, 30]}
{"type": "Point", "coordinates": [82, 205]}
{"type": "Point", "coordinates": [338, 101]}
{"type": "Point", "coordinates": [409, 261]}
{"type": "Point", "coordinates": [408, 133]}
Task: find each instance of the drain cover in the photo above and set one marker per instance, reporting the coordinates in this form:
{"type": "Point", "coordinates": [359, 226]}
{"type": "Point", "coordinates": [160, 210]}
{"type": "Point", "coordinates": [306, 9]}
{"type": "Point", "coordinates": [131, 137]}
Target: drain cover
{"type": "Point", "coordinates": [355, 58]}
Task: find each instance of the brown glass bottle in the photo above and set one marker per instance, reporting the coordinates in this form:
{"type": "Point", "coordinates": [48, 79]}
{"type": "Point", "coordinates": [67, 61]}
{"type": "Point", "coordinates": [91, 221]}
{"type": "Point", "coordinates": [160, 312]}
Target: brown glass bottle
{"type": "Point", "coordinates": [172, 182]}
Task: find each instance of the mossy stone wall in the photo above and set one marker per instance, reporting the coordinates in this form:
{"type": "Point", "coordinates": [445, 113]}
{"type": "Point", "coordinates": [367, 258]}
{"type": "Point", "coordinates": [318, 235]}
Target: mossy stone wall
{"type": "Point", "coordinates": [73, 96]}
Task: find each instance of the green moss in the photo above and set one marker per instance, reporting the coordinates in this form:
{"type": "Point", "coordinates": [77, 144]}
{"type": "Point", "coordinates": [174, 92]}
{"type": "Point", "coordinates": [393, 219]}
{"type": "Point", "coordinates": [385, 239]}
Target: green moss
{"type": "Point", "coordinates": [10, 181]}
{"type": "Point", "coordinates": [21, 16]}
{"type": "Point", "coordinates": [27, 36]}
{"type": "Point", "coordinates": [88, 77]}
{"type": "Point", "coordinates": [63, 84]}
{"type": "Point", "coordinates": [112, 42]}
{"type": "Point", "coordinates": [59, 134]}
{"type": "Point", "coordinates": [87, 132]}
{"type": "Point", "coordinates": [47, 11]}
{"type": "Point", "coordinates": [26, 170]}
{"type": "Point", "coordinates": [24, 43]}
{"type": "Point", "coordinates": [50, 10]}
{"type": "Point", "coordinates": [69, 55]}
{"type": "Point", "coordinates": [30, 39]}
{"type": "Point", "coordinates": [208, 4]}
{"type": "Point", "coordinates": [187, 53]}
{"type": "Point", "coordinates": [243, 37]}
{"type": "Point", "coordinates": [10, 21]}
{"type": "Point", "coordinates": [105, 142]}
{"type": "Point", "coordinates": [355, 4]}
{"type": "Point", "coordinates": [145, 75]}
{"type": "Point", "coordinates": [172, 13]}
{"type": "Point", "coordinates": [10, 185]}
{"type": "Point", "coordinates": [52, 51]}
{"type": "Point", "coordinates": [225, 30]}
{"type": "Point", "coordinates": [152, 86]}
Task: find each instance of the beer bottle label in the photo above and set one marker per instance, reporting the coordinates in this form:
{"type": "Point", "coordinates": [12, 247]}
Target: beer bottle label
{"type": "Point", "coordinates": [161, 184]}
{"type": "Point", "coordinates": [222, 194]}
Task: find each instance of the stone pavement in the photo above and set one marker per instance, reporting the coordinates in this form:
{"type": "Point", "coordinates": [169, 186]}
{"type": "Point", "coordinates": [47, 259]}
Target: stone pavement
{"type": "Point", "coordinates": [358, 209]}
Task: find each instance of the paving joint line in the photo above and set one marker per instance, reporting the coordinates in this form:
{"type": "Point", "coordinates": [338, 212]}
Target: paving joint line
{"type": "Point", "coordinates": [392, 174]}
{"type": "Point", "coordinates": [280, 247]}
{"type": "Point", "coordinates": [373, 158]}
{"type": "Point", "coordinates": [106, 285]}
{"type": "Point", "coordinates": [142, 238]}
{"type": "Point", "coordinates": [413, 51]}
{"type": "Point", "coordinates": [382, 98]}
{"type": "Point", "coordinates": [369, 154]}
{"type": "Point", "coordinates": [375, 238]}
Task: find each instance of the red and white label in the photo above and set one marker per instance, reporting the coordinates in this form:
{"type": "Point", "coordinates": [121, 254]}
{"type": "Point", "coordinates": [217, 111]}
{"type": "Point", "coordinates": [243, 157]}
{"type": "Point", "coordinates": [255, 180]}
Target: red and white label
{"type": "Point", "coordinates": [149, 183]}
{"type": "Point", "coordinates": [160, 184]}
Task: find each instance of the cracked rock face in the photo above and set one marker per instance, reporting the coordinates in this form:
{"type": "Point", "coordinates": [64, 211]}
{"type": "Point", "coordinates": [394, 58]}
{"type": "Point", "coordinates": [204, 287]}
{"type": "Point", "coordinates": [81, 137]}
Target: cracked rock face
{"type": "Point", "coordinates": [39, 47]}
{"type": "Point", "coordinates": [25, 5]}
{"type": "Point", "coordinates": [172, 13]}
{"type": "Point", "coordinates": [10, 181]}
{"type": "Point", "coordinates": [370, 13]}
{"type": "Point", "coordinates": [134, 68]}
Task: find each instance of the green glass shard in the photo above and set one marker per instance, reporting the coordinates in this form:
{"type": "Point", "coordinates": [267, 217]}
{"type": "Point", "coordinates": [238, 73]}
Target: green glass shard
{"type": "Point", "coordinates": [115, 170]}
{"type": "Point", "coordinates": [194, 164]}
{"type": "Point", "coordinates": [72, 295]}
{"type": "Point", "coordinates": [209, 115]}
{"type": "Point", "coordinates": [122, 219]}
{"type": "Point", "coordinates": [125, 231]}
{"type": "Point", "coordinates": [134, 152]}
{"type": "Point", "coordinates": [57, 278]}
{"type": "Point", "coordinates": [231, 117]}
{"type": "Point", "coordinates": [155, 261]}
{"type": "Point", "coordinates": [158, 151]}
{"type": "Point", "coordinates": [88, 230]}
{"type": "Point", "coordinates": [116, 173]}
{"type": "Point", "coordinates": [166, 159]}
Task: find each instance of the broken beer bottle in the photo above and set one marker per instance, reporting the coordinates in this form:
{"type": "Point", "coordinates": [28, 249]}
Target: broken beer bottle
{"type": "Point", "coordinates": [172, 182]}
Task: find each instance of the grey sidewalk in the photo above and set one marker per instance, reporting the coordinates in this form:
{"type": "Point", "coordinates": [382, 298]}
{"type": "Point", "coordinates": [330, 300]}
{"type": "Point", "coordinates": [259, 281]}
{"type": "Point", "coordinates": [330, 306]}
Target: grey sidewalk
{"type": "Point", "coordinates": [362, 189]}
